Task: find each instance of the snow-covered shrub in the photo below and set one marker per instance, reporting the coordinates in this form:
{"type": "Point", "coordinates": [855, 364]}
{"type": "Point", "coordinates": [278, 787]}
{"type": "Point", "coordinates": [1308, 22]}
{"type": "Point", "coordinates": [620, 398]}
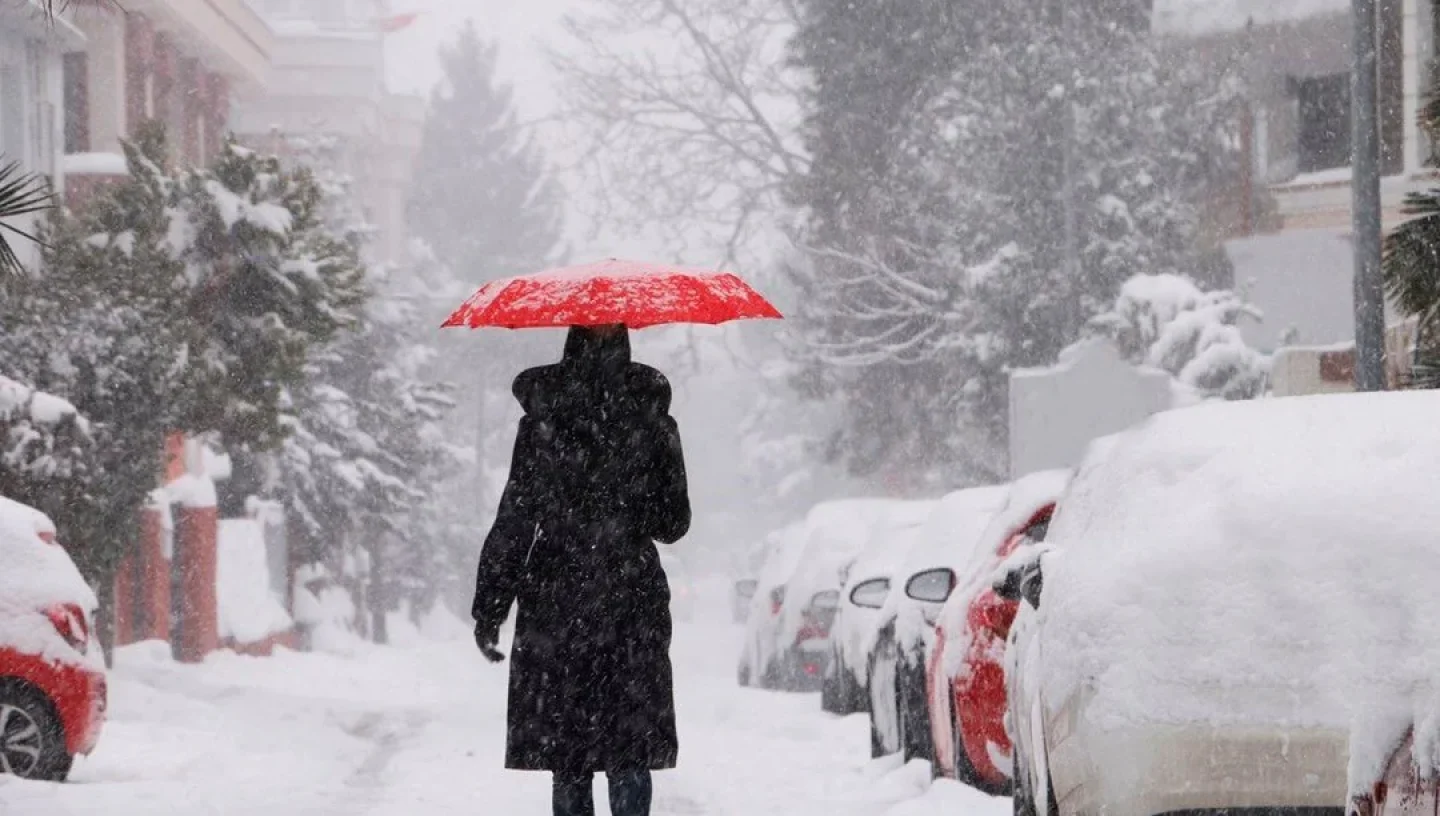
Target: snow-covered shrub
{"type": "Point", "coordinates": [1167, 322]}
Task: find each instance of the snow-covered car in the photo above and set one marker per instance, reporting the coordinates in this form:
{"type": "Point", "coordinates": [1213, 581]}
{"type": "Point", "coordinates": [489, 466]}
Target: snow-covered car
{"type": "Point", "coordinates": [965, 678]}
{"type": "Point", "coordinates": [1231, 609]}
{"type": "Point", "coordinates": [868, 578]}
{"type": "Point", "coordinates": [742, 598]}
{"type": "Point", "coordinates": [682, 591]}
{"type": "Point", "coordinates": [52, 670]}
{"type": "Point", "coordinates": [788, 631]}
{"type": "Point", "coordinates": [904, 627]}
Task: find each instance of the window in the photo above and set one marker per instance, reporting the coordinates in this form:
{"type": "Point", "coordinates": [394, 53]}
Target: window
{"type": "Point", "coordinates": [1324, 122]}
{"type": "Point", "coordinates": [77, 103]}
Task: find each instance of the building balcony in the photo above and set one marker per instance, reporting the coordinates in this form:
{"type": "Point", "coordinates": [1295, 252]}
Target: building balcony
{"type": "Point", "coordinates": [226, 34]}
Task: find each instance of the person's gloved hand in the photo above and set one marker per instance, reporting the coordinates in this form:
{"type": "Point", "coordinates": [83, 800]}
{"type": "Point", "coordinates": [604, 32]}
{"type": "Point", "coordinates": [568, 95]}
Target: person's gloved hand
{"type": "Point", "coordinates": [487, 641]}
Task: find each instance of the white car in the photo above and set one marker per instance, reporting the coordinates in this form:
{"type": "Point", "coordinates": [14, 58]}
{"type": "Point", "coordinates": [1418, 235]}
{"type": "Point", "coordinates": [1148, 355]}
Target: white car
{"type": "Point", "coordinates": [904, 628]}
{"type": "Point", "coordinates": [788, 631]}
{"type": "Point", "coordinates": [867, 581]}
{"type": "Point", "coordinates": [1232, 589]}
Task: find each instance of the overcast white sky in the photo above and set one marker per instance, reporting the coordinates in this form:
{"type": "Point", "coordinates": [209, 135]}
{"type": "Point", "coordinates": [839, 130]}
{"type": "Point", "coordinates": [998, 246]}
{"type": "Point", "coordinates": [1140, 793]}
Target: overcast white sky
{"type": "Point", "coordinates": [518, 25]}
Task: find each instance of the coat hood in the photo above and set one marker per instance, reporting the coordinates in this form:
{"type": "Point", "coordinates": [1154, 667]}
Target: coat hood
{"type": "Point", "coordinates": [595, 369]}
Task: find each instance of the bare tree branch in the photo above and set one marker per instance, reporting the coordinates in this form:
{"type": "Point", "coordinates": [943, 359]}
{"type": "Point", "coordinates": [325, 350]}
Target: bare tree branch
{"type": "Point", "coordinates": [685, 114]}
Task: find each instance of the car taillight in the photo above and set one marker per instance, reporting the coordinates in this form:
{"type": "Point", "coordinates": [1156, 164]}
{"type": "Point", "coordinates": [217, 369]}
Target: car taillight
{"type": "Point", "coordinates": [69, 623]}
{"type": "Point", "coordinates": [777, 600]}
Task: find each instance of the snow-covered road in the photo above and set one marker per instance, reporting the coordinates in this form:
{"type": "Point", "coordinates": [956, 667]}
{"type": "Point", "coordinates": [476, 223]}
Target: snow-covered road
{"type": "Point", "coordinates": [420, 729]}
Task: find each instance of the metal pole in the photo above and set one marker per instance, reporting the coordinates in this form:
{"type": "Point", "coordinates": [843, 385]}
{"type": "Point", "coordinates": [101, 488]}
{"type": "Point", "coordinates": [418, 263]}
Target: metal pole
{"type": "Point", "coordinates": [1072, 237]}
{"type": "Point", "coordinates": [1365, 189]}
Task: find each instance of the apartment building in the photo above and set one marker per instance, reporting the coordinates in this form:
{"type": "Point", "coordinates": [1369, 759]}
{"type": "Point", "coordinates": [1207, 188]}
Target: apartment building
{"type": "Point", "coordinates": [329, 80]}
{"type": "Point", "coordinates": [183, 62]}
{"type": "Point", "coordinates": [1295, 57]}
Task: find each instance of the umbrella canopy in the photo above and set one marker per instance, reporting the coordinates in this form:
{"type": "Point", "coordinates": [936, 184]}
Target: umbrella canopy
{"type": "Point", "coordinates": [609, 292]}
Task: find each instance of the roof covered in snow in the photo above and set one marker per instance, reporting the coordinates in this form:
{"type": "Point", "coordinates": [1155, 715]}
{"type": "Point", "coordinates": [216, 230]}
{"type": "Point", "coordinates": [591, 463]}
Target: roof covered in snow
{"type": "Point", "coordinates": [1201, 17]}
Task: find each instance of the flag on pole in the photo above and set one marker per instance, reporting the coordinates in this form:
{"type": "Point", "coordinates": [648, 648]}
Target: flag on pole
{"type": "Point", "coordinates": [398, 22]}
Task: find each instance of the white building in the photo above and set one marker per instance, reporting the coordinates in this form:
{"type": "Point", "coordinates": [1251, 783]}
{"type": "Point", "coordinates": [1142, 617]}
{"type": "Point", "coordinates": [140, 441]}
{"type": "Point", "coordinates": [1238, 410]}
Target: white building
{"type": "Point", "coordinates": [32, 97]}
{"type": "Point", "coordinates": [1294, 258]}
{"type": "Point", "coordinates": [329, 79]}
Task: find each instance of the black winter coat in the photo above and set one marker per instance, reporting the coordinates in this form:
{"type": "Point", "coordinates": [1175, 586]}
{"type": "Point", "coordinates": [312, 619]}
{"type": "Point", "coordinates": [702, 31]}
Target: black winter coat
{"type": "Point", "coordinates": [597, 478]}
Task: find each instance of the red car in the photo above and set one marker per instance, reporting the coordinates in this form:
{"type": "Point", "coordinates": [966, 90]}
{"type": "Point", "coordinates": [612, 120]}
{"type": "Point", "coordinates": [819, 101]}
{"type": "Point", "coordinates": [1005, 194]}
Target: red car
{"type": "Point", "coordinates": [965, 678]}
{"type": "Point", "coordinates": [52, 671]}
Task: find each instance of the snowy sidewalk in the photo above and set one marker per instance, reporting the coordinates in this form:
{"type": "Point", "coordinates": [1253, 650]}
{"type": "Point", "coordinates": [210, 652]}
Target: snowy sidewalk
{"type": "Point", "coordinates": [420, 729]}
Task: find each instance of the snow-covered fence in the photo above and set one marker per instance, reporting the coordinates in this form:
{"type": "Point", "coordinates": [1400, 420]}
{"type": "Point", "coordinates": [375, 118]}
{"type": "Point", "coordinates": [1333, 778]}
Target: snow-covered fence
{"type": "Point", "coordinates": [1056, 412]}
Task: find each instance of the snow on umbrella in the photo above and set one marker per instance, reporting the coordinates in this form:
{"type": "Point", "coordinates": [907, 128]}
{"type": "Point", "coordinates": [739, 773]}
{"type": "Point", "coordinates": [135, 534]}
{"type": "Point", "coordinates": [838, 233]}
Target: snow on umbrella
{"type": "Point", "coordinates": [609, 292]}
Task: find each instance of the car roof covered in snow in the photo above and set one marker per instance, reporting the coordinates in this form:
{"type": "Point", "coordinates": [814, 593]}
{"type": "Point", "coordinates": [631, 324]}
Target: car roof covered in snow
{"type": "Point", "coordinates": [37, 574]}
{"type": "Point", "coordinates": [1026, 496]}
{"type": "Point", "coordinates": [949, 536]}
{"type": "Point", "coordinates": [1255, 562]}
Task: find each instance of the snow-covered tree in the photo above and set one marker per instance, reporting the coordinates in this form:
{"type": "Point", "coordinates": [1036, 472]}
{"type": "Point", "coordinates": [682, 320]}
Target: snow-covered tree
{"type": "Point", "coordinates": [485, 206]}
{"type": "Point", "coordinates": [365, 448]}
{"type": "Point", "coordinates": [268, 279]}
{"type": "Point", "coordinates": [683, 112]}
{"type": "Point", "coordinates": [482, 196]}
{"type": "Point", "coordinates": [1167, 322]}
{"type": "Point", "coordinates": [983, 205]}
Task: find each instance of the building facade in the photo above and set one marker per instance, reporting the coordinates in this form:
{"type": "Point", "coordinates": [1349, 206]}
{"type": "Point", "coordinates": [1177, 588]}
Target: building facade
{"type": "Point", "coordinates": [180, 62]}
{"type": "Point", "coordinates": [329, 81]}
{"type": "Point", "coordinates": [1295, 59]}
{"type": "Point", "coordinates": [32, 100]}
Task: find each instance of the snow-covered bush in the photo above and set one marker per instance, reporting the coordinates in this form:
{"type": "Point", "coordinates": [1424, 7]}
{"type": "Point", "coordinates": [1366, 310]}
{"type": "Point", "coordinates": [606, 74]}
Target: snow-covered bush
{"type": "Point", "coordinates": [1167, 322]}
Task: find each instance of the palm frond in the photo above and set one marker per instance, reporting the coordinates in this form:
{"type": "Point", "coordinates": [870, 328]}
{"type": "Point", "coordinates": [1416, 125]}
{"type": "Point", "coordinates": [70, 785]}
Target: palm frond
{"type": "Point", "coordinates": [21, 194]}
{"type": "Point", "coordinates": [53, 7]}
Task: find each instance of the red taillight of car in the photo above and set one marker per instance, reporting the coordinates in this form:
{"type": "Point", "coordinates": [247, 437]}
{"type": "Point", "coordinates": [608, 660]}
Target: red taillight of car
{"type": "Point", "coordinates": [812, 668]}
{"type": "Point", "coordinates": [777, 600]}
{"type": "Point", "coordinates": [69, 623]}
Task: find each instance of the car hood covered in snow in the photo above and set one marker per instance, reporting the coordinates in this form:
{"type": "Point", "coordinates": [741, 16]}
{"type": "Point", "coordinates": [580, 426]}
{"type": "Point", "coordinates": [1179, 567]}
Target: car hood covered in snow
{"type": "Point", "coordinates": [1261, 562]}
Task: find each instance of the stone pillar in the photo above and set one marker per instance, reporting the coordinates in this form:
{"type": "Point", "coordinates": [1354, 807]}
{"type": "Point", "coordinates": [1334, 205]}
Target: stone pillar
{"type": "Point", "coordinates": [142, 585]}
{"type": "Point", "coordinates": [196, 530]}
{"type": "Point", "coordinates": [152, 621]}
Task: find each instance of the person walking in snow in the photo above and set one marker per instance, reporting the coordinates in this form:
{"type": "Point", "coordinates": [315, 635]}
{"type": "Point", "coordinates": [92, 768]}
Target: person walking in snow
{"type": "Point", "coordinates": [597, 478]}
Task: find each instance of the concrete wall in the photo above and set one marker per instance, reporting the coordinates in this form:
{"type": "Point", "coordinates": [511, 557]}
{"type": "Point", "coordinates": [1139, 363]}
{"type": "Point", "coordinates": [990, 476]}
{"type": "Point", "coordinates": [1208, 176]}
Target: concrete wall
{"type": "Point", "coordinates": [1056, 412]}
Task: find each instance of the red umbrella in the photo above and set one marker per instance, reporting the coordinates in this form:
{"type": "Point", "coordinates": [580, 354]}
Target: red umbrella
{"type": "Point", "coordinates": [609, 292]}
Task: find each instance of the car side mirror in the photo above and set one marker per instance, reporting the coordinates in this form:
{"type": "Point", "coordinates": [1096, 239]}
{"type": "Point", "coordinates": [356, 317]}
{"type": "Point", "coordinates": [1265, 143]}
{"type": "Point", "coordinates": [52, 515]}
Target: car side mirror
{"type": "Point", "coordinates": [931, 586]}
{"type": "Point", "coordinates": [871, 594]}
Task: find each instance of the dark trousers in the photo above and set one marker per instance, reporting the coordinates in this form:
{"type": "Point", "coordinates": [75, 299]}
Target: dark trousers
{"type": "Point", "coordinates": [630, 793]}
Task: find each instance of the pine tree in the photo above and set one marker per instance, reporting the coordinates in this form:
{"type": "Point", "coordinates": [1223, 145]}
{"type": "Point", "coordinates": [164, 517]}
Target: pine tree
{"type": "Point", "coordinates": [101, 324]}
{"type": "Point", "coordinates": [484, 204]}
{"type": "Point", "coordinates": [268, 280]}
{"type": "Point", "coordinates": [482, 196]}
